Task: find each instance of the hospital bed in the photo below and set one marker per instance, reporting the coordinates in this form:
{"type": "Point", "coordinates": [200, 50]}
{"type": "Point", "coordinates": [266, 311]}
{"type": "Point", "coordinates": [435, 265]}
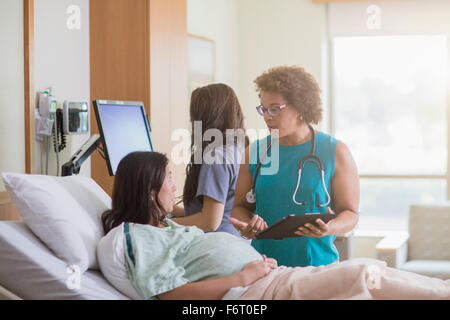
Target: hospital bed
{"type": "Point", "coordinates": [29, 270]}
{"type": "Point", "coordinates": [31, 266]}
{"type": "Point", "coordinates": [61, 227]}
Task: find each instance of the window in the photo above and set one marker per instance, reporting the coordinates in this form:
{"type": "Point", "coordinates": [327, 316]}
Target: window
{"type": "Point", "coordinates": [389, 107]}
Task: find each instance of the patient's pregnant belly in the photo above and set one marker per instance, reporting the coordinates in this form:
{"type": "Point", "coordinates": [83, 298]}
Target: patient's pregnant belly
{"type": "Point", "coordinates": [215, 255]}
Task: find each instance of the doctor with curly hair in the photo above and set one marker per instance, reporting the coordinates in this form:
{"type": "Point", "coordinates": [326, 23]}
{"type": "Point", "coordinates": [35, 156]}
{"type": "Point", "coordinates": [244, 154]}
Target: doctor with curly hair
{"type": "Point", "coordinates": [290, 104]}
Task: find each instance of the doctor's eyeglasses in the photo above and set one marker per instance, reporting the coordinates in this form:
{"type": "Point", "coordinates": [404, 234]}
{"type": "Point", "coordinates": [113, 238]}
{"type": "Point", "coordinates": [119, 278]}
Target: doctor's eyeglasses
{"type": "Point", "coordinates": [273, 110]}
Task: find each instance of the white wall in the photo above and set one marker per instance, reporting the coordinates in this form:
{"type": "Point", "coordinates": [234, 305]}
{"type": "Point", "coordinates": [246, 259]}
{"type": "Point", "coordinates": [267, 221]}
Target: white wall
{"type": "Point", "coordinates": [62, 62]}
{"type": "Point", "coordinates": [273, 33]}
{"type": "Point", "coordinates": [12, 128]}
{"type": "Point", "coordinates": [218, 20]}
{"type": "Point", "coordinates": [254, 35]}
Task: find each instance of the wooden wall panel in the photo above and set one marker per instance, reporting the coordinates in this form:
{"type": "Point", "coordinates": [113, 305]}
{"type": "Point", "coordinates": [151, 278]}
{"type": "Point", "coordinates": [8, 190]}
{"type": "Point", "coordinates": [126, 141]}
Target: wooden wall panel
{"type": "Point", "coordinates": [29, 94]}
{"type": "Point", "coordinates": [119, 59]}
{"type": "Point", "coordinates": [138, 52]}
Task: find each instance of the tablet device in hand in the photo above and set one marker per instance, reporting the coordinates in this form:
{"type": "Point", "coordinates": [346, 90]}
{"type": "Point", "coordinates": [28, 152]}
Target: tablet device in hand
{"type": "Point", "coordinates": [285, 227]}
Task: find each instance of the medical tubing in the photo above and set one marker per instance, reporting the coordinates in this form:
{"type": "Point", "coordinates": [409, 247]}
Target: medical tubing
{"type": "Point", "coordinates": [258, 166]}
{"type": "Point", "coordinates": [326, 191]}
{"type": "Point", "coordinates": [296, 188]}
{"type": "Point", "coordinates": [313, 147]}
{"type": "Point", "coordinates": [315, 160]}
{"type": "Point", "coordinates": [48, 151]}
{"type": "Point", "coordinates": [55, 143]}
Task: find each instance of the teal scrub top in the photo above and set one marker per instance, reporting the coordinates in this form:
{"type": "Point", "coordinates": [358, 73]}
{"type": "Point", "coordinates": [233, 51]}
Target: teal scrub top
{"type": "Point", "coordinates": [274, 190]}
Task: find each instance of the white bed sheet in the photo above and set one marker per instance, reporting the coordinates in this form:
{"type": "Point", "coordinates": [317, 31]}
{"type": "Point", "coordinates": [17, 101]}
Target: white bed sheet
{"type": "Point", "coordinates": [31, 271]}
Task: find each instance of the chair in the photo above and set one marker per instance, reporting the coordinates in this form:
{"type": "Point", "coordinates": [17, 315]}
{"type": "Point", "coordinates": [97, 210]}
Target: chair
{"type": "Point", "coordinates": [344, 245]}
{"type": "Point", "coordinates": [426, 249]}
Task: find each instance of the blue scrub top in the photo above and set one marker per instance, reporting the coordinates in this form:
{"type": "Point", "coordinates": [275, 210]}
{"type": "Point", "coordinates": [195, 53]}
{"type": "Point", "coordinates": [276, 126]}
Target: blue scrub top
{"type": "Point", "coordinates": [274, 193]}
{"type": "Point", "coordinates": [217, 180]}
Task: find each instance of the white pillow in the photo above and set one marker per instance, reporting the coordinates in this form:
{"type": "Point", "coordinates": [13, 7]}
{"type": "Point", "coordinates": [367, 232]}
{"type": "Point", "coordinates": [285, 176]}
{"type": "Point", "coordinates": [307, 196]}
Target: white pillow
{"type": "Point", "coordinates": [111, 260]}
{"type": "Point", "coordinates": [64, 212]}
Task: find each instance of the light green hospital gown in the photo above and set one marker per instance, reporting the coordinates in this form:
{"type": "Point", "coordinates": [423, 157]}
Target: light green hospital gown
{"type": "Point", "coordinates": [161, 259]}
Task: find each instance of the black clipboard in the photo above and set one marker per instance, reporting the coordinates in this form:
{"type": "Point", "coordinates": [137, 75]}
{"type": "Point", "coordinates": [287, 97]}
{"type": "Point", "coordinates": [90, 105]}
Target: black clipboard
{"type": "Point", "coordinates": [285, 227]}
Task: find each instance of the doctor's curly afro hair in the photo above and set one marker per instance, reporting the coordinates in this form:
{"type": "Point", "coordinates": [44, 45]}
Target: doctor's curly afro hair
{"type": "Point", "coordinates": [297, 86]}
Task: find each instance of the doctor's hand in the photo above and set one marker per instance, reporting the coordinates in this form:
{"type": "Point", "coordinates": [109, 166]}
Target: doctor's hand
{"type": "Point", "coordinates": [310, 230]}
{"type": "Point", "coordinates": [249, 230]}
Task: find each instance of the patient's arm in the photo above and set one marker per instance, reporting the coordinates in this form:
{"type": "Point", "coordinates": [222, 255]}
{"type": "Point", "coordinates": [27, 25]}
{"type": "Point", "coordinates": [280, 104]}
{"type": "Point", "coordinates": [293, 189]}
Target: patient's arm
{"type": "Point", "coordinates": [215, 289]}
{"type": "Point", "coordinates": [203, 290]}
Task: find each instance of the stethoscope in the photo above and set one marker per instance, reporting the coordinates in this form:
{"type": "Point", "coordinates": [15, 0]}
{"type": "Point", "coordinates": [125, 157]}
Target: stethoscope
{"type": "Point", "coordinates": [311, 157]}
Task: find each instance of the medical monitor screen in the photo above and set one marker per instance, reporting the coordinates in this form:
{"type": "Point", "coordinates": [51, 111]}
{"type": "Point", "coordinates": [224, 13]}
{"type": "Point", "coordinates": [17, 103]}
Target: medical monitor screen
{"type": "Point", "coordinates": [124, 128]}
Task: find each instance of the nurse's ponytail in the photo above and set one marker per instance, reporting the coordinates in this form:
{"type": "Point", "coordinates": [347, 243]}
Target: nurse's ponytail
{"type": "Point", "coordinates": [217, 107]}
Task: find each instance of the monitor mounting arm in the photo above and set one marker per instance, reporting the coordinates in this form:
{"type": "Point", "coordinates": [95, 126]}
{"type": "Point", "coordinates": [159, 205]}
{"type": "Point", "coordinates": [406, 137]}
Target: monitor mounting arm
{"type": "Point", "coordinates": [74, 164]}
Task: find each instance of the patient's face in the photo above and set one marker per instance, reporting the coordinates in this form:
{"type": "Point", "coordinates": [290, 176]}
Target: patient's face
{"type": "Point", "coordinates": [167, 193]}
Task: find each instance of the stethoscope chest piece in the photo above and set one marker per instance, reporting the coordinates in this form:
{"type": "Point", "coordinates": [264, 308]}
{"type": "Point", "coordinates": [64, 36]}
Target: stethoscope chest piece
{"type": "Point", "coordinates": [250, 197]}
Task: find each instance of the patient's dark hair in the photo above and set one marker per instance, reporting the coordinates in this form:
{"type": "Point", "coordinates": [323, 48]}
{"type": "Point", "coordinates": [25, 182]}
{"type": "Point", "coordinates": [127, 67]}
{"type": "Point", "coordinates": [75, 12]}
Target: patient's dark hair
{"type": "Point", "coordinates": [138, 176]}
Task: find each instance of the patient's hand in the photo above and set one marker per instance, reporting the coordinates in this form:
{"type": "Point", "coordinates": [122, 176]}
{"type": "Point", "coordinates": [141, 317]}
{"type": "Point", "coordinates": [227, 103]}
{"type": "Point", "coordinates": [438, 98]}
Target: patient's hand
{"type": "Point", "coordinates": [256, 270]}
{"type": "Point", "coordinates": [270, 261]}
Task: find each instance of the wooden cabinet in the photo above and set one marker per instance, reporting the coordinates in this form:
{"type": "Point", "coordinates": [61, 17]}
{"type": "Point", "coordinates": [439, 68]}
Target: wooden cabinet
{"type": "Point", "coordinates": [138, 52]}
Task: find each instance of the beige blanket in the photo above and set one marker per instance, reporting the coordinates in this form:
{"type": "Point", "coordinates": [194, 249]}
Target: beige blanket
{"type": "Point", "coordinates": [350, 279]}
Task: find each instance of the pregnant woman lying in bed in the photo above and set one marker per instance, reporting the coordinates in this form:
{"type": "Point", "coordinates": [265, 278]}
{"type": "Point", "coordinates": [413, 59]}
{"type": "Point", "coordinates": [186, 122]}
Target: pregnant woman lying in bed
{"type": "Point", "coordinates": [166, 260]}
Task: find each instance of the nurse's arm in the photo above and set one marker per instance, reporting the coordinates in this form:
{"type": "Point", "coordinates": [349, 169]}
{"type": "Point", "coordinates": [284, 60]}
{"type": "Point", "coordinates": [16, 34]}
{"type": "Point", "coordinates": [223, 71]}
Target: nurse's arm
{"type": "Point", "coordinates": [345, 189]}
{"type": "Point", "coordinates": [209, 219]}
{"type": "Point", "coordinates": [242, 210]}
{"type": "Point", "coordinates": [178, 211]}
